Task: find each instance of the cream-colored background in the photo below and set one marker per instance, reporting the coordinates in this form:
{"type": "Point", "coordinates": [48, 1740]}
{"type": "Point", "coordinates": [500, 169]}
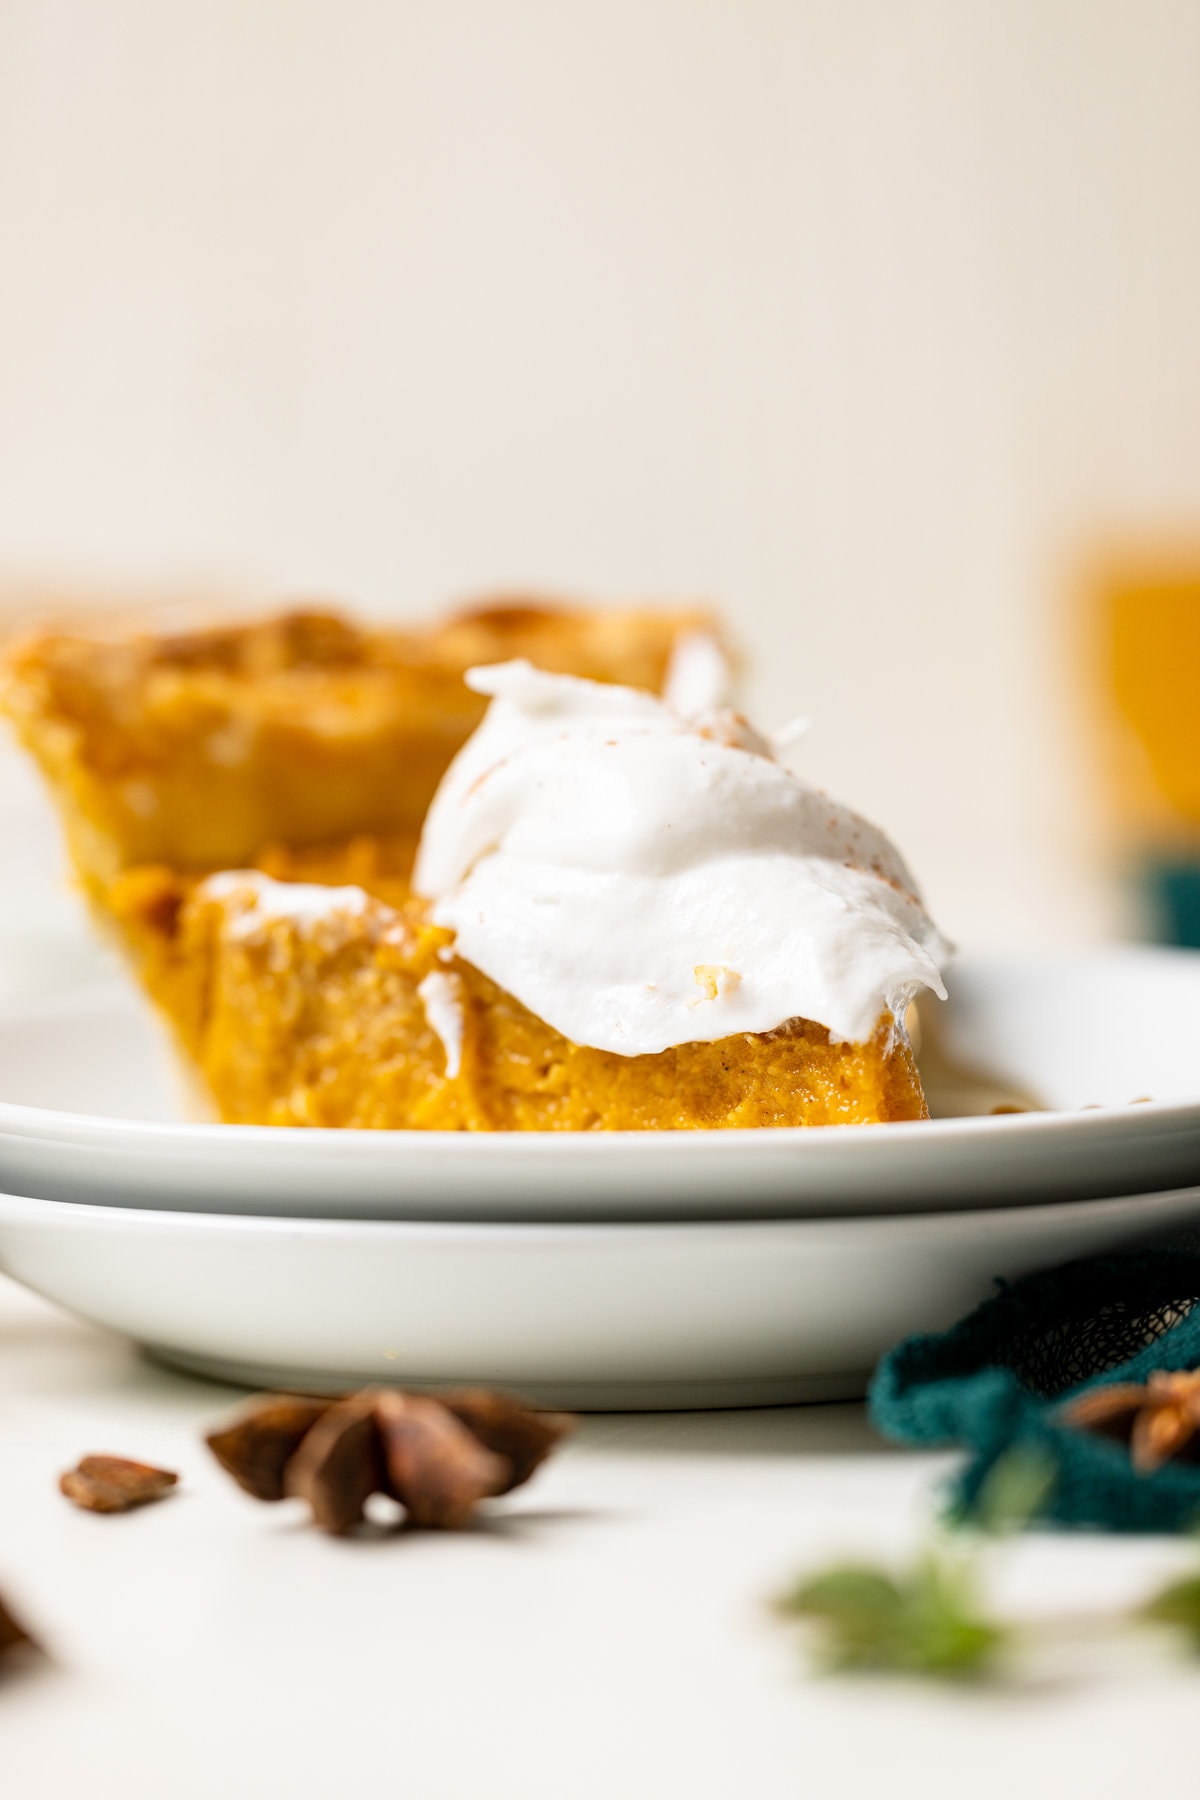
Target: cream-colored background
{"type": "Point", "coordinates": [861, 318]}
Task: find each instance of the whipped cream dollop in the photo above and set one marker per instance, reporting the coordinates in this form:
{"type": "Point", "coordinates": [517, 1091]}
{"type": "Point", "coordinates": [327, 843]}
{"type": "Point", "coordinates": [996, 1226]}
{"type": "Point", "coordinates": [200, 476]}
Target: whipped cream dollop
{"type": "Point", "coordinates": [640, 879]}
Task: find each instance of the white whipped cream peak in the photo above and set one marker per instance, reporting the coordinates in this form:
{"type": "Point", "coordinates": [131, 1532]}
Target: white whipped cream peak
{"type": "Point", "coordinates": [698, 675]}
{"type": "Point", "coordinates": [639, 879]}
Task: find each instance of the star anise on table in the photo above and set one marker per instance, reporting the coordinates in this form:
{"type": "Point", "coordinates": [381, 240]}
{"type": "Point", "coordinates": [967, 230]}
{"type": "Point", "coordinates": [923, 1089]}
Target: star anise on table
{"type": "Point", "coordinates": [13, 1635]}
{"type": "Point", "coordinates": [438, 1455]}
{"type": "Point", "coordinates": [1158, 1419]}
{"type": "Point", "coordinates": [114, 1484]}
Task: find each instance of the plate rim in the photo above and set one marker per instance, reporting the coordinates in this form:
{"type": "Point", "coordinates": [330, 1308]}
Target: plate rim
{"type": "Point", "coordinates": [515, 1234]}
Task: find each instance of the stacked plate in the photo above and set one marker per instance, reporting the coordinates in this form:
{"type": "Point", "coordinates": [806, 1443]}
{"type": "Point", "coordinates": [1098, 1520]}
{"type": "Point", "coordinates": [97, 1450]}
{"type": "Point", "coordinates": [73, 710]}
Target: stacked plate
{"type": "Point", "coordinates": [620, 1270]}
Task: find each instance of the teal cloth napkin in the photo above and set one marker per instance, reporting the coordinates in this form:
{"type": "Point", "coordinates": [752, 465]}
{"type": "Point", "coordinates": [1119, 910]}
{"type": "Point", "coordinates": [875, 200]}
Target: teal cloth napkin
{"type": "Point", "coordinates": [1173, 891]}
{"type": "Point", "coordinates": [998, 1380]}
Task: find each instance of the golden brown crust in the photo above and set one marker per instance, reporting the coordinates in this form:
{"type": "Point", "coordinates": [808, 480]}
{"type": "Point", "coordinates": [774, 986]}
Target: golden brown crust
{"type": "Point", "coordinates": [197, 748]}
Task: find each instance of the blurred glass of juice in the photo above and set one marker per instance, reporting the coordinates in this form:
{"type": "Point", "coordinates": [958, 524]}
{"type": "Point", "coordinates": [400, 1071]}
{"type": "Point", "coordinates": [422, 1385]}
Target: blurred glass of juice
{"type": "Point", "coordinates": [1148, 609]}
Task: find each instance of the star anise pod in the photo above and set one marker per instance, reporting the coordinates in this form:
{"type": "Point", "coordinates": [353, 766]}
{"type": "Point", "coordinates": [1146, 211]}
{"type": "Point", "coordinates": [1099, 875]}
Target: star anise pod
{"type": "Point", "coordinates": [13, 1635]}
{"type": "Point", "coordinates": [1158, 1419]}
{"type": "Point", "coordinates": [113, 1484]}
{"type": "Point", "coordinates": [438, 1455]}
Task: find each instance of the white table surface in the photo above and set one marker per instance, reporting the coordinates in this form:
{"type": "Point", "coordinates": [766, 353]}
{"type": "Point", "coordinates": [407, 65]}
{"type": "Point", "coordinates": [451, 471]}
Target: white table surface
{"type": "Point", "coordinates": [607, 1633]}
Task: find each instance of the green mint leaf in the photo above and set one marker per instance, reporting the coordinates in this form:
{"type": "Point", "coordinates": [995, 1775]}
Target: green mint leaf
{"type": "Point", "coordinates": [1177, 1604]}
{"type": "Point", "coordinates": [1015, 1492]}
{"type": "Point", "coordinates": [926, 1621]}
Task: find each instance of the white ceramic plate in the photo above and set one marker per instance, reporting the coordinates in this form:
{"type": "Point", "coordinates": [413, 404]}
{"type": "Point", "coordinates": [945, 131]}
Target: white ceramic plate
{"type": "Point", "coordinates": [593, 1316]}
{"type": "Point", "coordinates": [88, 1114]}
